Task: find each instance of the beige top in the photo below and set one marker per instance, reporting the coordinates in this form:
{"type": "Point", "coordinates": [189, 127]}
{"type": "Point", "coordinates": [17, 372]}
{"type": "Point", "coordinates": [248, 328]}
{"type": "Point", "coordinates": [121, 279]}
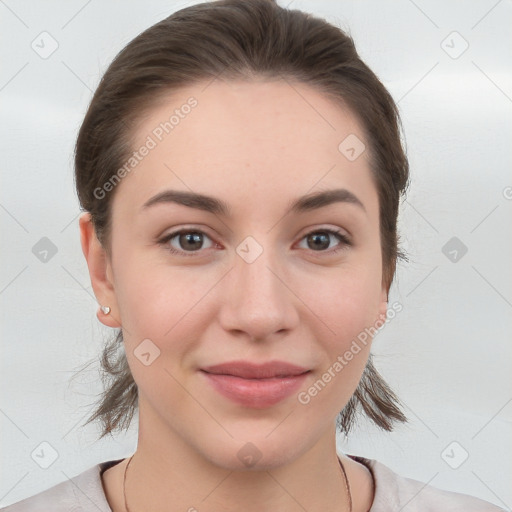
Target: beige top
{"type": "Point", "coordinates": [393, 493]}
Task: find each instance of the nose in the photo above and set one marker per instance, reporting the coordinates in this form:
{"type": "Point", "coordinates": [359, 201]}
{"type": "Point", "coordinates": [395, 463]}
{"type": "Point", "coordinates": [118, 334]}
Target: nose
{"type": "Point", "coordinates": [259, 301]}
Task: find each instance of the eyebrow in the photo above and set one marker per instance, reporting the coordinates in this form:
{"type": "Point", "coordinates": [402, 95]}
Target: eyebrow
{"type": "Point", "coordinates": [216, 206]}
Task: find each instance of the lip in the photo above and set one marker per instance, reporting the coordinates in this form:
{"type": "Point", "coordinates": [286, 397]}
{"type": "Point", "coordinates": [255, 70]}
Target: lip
{"type": "Point", "coordinates": [255, 385]}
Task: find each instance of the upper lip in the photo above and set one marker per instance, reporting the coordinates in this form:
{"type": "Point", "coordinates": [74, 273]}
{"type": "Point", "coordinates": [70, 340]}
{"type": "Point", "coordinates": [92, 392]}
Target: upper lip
{"type": "Point", "coordinates": [248, 370]}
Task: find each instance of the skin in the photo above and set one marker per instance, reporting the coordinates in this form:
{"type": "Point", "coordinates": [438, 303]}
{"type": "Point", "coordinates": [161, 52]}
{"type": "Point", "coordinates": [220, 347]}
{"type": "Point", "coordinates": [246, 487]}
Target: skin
{"type": "Point", "coordinates": [257, 146]}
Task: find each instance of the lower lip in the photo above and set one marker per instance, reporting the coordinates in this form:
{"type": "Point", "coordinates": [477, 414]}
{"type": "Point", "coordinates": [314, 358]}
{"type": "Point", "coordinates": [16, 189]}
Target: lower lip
{"type": "Point", "coordinates": [256, 393]}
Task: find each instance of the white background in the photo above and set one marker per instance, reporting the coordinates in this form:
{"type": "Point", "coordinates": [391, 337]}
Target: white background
{"type": "Point", "coordinates": [447, 354]}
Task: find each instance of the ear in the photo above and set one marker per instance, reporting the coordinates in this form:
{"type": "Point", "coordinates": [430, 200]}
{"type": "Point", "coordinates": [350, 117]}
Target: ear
{"type": "Point", "coordinates": [383, 305]}
{"type": "Point", "coordinates": [100, 271]}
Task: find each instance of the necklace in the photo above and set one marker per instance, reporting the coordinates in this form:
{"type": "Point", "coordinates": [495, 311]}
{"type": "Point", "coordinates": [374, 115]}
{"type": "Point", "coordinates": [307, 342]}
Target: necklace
{"type": "Point", "coordinates": [347, 485]}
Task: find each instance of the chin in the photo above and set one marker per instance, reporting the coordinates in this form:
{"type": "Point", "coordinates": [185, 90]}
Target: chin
{"type": "Point", "coordinates": [257, 451]}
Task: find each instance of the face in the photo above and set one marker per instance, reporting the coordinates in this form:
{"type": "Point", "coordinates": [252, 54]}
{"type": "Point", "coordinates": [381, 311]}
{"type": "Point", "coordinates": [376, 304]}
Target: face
{"type": "Point", "coordinates": [238, 311]}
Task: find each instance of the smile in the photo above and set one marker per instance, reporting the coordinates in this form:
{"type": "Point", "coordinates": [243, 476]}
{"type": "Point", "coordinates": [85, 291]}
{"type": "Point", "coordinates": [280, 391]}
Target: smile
{"type": "Point", "coordinates": [256, 386]}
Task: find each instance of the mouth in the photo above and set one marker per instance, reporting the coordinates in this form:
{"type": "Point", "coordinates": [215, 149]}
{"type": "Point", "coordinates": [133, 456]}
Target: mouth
{"type": "Point", "coordinates": [256, 386]}
{"type": "Point", "coordinates": [247, 370]}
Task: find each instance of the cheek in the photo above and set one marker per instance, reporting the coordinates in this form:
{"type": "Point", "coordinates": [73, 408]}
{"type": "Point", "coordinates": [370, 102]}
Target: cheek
{"type": "Point", "coordinates": [164, 312]}
{"type": "Point", "coordinates": [345, 302]}
{"type": "Point", "coordinates": [347, 309]}
{"type": "Point", "coordinates": [153, 298]}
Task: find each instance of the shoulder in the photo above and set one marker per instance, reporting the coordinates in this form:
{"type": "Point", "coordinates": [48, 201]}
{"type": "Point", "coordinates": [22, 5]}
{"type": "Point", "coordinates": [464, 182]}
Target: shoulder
{"type": "Point", "coordinates": [394, 492]}
{"type": "Point", "coordinates": [81, 493]}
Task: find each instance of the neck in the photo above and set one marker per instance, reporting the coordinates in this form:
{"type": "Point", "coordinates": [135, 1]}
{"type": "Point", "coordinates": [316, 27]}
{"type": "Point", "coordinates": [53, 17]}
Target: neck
{"type": "Point", "coordinates": [171, 476]}
{"type": "Point", "coordinates": [255, 490]}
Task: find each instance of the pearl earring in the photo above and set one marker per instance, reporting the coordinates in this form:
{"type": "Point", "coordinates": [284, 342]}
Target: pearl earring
{"type": "Point", "coordinates": [105, 310]}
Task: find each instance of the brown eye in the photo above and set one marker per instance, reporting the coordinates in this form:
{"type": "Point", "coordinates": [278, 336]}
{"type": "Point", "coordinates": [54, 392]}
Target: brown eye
{"type": "Point", "coordinates": [185, 242]}
{"type": "Point", "coordinates": [320, 240]}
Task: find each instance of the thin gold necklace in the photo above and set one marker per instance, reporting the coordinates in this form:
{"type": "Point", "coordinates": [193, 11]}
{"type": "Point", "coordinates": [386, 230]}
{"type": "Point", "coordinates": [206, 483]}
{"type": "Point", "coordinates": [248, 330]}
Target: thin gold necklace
{"type": "Point", "coordinates": [347, 485]}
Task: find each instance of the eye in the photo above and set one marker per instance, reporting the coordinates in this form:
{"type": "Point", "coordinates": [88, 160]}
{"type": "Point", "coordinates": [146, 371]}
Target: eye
{"type": "Point", "coordinates": [321, 239]}
{"type": "Point", "coordinates": [191, 242]}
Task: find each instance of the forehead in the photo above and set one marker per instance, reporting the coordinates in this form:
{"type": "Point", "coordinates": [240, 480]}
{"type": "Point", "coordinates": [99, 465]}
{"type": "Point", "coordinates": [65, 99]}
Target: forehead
{"type": "Point", "coordinates": [257, 112]}
{"type": "Point", "coordinates": [266, 138]}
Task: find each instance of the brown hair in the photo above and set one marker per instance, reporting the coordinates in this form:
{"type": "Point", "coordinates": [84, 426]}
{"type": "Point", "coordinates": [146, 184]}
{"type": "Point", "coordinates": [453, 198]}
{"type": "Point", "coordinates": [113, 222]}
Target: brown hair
{"type": "Point", "coordinates": [240, 39]}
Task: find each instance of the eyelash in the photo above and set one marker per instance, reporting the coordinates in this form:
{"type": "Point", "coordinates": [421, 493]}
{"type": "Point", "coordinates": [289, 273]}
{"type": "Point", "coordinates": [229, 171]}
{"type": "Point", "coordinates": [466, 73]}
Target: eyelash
{"type": "Point", "coordinates": [345, 242]}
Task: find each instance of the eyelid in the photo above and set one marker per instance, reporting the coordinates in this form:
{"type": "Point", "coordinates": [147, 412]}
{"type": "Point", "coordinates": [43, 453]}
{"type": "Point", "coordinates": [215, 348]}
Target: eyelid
{"type": "Point", "coordinates": [330, 228]}
{"type": "Point", "coordinates": [185, 228]}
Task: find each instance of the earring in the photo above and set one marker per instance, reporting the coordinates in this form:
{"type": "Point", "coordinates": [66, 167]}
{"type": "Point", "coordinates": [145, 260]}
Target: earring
{"type": "Point", "coordinates": [105, 310]}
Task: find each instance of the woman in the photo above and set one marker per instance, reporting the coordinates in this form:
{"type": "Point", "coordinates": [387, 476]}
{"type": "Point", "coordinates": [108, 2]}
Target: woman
{"type": "Point", "coordinates": [240, 170]}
